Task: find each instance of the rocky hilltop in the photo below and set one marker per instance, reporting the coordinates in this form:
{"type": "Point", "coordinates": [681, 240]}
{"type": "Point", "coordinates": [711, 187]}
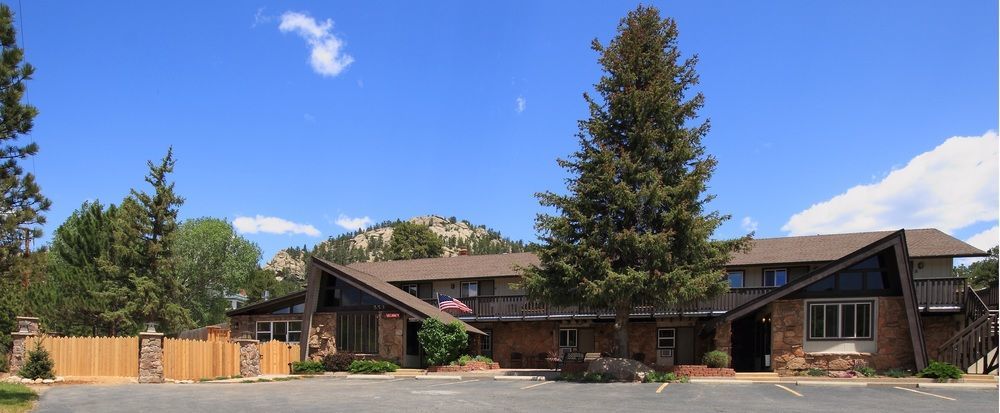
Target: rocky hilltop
{"type": "Point", "coordinates": [369, 244]}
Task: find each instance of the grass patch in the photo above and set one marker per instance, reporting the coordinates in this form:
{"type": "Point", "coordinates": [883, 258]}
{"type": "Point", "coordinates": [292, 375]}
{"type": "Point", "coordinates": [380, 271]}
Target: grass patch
{"type": "Point", "coordinates": [16, 398]}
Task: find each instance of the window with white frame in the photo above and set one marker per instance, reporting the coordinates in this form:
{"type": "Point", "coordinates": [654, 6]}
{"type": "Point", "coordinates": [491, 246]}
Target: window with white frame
{"type": "Point", "coordinates": [412, 289]}
{"type": "Point", "coordinates": [470, 289]}
{"type": "Point", "coordinates": [775, 277]}
{"type": "Point", "coordinates": [287, 331]}
{"type": "Point", "coordinates": [567, 338]}
{"type": "Point", "coordinates": [666, 337]}
{"type": "Point", "coordinates": [735, 279]}
{"type": "Point", "coordinates": [840, 321]}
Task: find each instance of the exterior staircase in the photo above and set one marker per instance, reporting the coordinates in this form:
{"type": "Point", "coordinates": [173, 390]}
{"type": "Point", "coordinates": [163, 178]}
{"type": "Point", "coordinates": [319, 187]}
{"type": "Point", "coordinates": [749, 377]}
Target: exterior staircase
{"type": "Point", "coordinates": [974, 348]}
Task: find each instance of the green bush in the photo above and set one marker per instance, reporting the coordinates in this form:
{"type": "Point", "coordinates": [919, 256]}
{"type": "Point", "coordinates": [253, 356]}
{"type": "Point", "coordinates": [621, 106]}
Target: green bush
{"type": "Point", "coordinates": [465, 359]}
{"type": "Point", "coordinates": [340, 361]}
{"type": "Point", "coordinates": [941, 371]}
{"type": "Point", "coordinates": [39, 364]}
{"type": "Point", "coordinates": [897, 373]}
{"type": "Point", "coordinates": [483, 359]}
{"type": "Point", "coordinates": [661, 377]}
{"type": "Point", "coordinates": [866, 371]}
{"type": "Point", "coordinates": [817, 372]}
{"type": "Point", "coordinates": [3, 362]}
{"type": "Point", "coordinates": [307, 367]}
{"type": "Point", "coordinates": [715, 359]}
{"type": "Point", "coordinates": [442, 343]}
{"type": "Point", "coordinates": [372, 367]}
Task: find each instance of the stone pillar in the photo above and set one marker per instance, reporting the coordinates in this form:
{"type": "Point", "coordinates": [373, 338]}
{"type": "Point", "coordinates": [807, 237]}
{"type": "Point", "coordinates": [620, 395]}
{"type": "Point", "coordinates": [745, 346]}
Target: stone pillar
{"type": "Point", "coordinates": [249, 357]}
{"type": "Point", "coordinates": [724, 339]}
{"type": "Point", "coordinates": [27, 327]}
{"type": "Point", "coordinates": [150, 357]}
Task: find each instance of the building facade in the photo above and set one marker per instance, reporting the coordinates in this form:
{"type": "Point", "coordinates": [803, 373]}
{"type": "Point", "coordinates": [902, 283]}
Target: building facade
{"type": "Point", "coordinates": [885, 299]}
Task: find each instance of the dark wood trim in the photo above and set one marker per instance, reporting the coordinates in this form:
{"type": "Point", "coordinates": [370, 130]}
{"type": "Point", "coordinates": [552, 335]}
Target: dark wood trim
{"type": "Point", "coordinates": [910, 301]}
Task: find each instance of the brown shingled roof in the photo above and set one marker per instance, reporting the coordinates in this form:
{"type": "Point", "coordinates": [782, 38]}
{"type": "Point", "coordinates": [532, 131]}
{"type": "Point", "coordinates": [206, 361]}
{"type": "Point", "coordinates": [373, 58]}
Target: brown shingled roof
{"type": "Point", "coordinates": [922, 243]}
{"type": "Point", "coordinates": [463, 266]}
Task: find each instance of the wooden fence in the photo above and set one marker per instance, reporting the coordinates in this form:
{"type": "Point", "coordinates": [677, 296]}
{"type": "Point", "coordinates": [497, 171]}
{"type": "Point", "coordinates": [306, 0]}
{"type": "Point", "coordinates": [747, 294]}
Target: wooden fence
{"type": "Point", "coordinates": [92, 356]}
{"type": "Point", "coordinates": [196, 359]}
{"type": "Point", "coordinates": [275, 356]}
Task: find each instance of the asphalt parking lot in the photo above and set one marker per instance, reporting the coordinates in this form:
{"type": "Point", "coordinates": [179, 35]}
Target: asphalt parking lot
{"type": "Point", "coordinates": [486, 395]}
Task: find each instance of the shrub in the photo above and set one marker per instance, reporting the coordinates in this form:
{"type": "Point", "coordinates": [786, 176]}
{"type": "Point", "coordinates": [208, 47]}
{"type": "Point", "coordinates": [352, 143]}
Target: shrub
{"type": "Point", "coordinates": [372, 366]}
{"type": "Point", "coordinates": [338, 361]}
{"type": "Point", "coordinates": [897, 373]}
{"type": "Point", "coordinates": [941, 371]}
{"type": "Point", "coordinates": [39, 364]}
{"type": "Point", "coordinates": [861, 368]}
{"type": "Point", "coordinates": [442, 343]}
{"type": "Point", "coordinates": [307, 367]}
{"type": "Point", "coordinates": [716, 359]}
{"type": "Point", "coordinates": [660, 377]}
{"type": "Point", "coordinates": [817, 372]}
{"type": "Point", "coordinates": [483, 359]}
{"type": "Point", "coordinates": [3, 362]}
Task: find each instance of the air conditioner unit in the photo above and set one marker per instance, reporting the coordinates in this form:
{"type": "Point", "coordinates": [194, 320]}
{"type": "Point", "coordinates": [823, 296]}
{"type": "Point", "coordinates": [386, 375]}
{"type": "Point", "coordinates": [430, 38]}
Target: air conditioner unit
{"type": "Point", "coordinates": [666, 352]}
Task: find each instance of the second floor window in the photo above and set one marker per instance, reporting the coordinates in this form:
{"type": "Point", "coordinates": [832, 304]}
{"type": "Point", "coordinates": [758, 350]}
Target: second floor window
{"type": "Point", "coordinates": [413, 289]}
{"type": "Point", "coordinates": [470, 289]}
{"type": "Point", "coordinates": [775, 277]}
{"type": "Point", "coordinates": [735, 279]}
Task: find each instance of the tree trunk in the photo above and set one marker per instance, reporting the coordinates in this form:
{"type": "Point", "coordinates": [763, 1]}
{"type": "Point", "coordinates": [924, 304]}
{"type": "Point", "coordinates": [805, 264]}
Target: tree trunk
{"type": "Point", "coordinates": [621, 332]}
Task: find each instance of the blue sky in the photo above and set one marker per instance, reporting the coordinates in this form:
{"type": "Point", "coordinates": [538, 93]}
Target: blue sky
{"type": "Point", "coordinates": [826, 117]}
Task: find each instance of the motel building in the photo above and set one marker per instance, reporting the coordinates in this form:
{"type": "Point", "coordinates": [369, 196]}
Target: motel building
{"type": "Point", "coordinates": [888, 298]}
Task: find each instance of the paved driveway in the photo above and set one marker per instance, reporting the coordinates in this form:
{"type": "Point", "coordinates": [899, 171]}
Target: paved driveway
{"type": "Point", "coordinates": [409, 395]}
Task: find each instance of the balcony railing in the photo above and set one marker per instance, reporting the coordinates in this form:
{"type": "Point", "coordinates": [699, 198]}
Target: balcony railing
{"type": "Point", "coordinates": [932, 295]}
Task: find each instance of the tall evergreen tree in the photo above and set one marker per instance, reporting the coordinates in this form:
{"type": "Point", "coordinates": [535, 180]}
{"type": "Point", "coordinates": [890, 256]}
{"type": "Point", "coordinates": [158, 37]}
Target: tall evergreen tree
{"type": "Point", "coordinates": [21, 201]}
{"type": "Point", "coordinates": [410, 241]}
{"type": "Point", "coordinates": [143, 249]}
{"type": "Point", "coordinates": [633, 227]}
{"type": "Point", "coordinates": [78, 267]}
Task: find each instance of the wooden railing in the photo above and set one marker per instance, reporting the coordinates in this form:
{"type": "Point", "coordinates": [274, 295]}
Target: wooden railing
{"type": "Point", "coordinates": [989, 296]}
{"type": "Point", "coordinates": [935, 294]}
{"type": "Point", "coordinates": [973, 344]}
{"type": "Point", "coordinates": [940, 294]}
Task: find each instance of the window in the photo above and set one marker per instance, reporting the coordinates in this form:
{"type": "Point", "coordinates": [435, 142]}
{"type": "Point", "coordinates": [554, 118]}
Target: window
{"type": "Point", "coordinates": [840, 320]}
{"type": "Point", "coordinates": [470, 289]}
{"type": "Point", "coordinates": [341, 294]}
{"type": "Point", "coordinates": [412, 289]}
{"type": "Point", "coordinates": [486, 342]}
{"type": "Point", "coordinates": [775, 277]}
{"type": "Point", "coordinates": [735, 279]}
{"type": "Point", "coordinates": [567, 338]}
{"type": "Point", "coordinates": [287, 331]}
{"type": "Point", "coordinates": [665, 337]}
{"type": "Point", "coordinates": [295, 309]}
{"type": "Point", "coordinates": [357, 332]}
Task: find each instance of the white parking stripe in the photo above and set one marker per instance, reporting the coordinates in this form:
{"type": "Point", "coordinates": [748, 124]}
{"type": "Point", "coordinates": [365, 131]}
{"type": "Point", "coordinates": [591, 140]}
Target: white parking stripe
{"type": "Point", "coordinates": [662, 386]}
{"type": "Point", "coordinates": [454, 382]}
{"type": "Point", "coordinates": [925, 393]}
{"type": "Point", "coordinates": [790, 390]}
{"type": "Point", "coordinates": [536, 385]}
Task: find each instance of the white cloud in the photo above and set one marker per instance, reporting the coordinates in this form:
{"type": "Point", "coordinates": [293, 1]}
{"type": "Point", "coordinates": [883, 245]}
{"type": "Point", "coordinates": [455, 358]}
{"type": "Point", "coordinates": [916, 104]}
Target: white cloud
{"type": "Point", "coordinates": [326, 56]}
{"type": "Point", "coordinates": [272, 225]}
{"type": "Point", "coordinates": [749, 224]}
{"type": "Point", "coordinates": [986, 239]}
{"type": "Point", "coordinates": [261, 18]}
{"type": "Point", "coordinates": [353, 224]}
{"type": "Point", "coordinates": [949, 187]}
{"type": "Point", "coordinates": [520, 104]}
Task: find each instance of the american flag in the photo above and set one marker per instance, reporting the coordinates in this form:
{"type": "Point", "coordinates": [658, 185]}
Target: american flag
{"type": "Point", "coordinates": [448, 303]}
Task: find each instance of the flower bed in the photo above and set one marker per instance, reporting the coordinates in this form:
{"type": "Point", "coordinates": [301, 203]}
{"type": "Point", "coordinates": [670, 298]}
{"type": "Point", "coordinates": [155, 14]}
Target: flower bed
{"type": "Point", "coordinates": [469, 366]}
{"type": "Point", "coordinates": [700, 370]}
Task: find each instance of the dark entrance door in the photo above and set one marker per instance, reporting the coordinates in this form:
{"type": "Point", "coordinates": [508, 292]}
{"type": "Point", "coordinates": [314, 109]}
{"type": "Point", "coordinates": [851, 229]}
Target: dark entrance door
{"type": "Point", "coordinates": [412, 352]}
{"type": "Point", "coordinates": [752, 343]}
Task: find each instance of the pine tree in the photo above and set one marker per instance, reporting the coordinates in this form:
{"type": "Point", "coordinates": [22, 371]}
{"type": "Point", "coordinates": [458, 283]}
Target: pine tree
{"type": "Point", "coordinates": [144, 240]}
{"type": "Point", "coordinates": [633, 227]}
{"type": "Point", "coordinates": [39, 364]}
{"type": "Point", "coordinates": [410, 241]}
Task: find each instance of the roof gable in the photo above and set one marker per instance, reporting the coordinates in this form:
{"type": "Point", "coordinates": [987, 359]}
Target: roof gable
{"type": "Point", "coordinates": [897, 242]}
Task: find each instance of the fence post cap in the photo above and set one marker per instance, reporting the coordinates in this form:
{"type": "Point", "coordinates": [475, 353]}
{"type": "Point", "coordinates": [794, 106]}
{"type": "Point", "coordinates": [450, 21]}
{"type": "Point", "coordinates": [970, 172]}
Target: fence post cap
{"type": "Point", "coordinates": [144, 334]}
{"type": "Point", "coordinates": [246, 340]}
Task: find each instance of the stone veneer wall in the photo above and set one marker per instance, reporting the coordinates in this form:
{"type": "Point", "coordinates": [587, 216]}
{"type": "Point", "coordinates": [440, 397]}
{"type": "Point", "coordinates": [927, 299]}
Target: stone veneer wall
{"type": "Point", "coordinates": [27, 327]}
{"type": "Point", "coordinates": [894, 348]}
{"type": "Point", "coordinates": [390, 338]}
{"type": "Point", "coordinates": [723, 340]}
{"type": "Point", "coordinates": [322, 336]}
{"type": "Point", "coordinates": [528, 338]}
{"type": "Point", "coordinates": [938, 329]}
{"type": "Point", "coordinates": [249, 357]}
